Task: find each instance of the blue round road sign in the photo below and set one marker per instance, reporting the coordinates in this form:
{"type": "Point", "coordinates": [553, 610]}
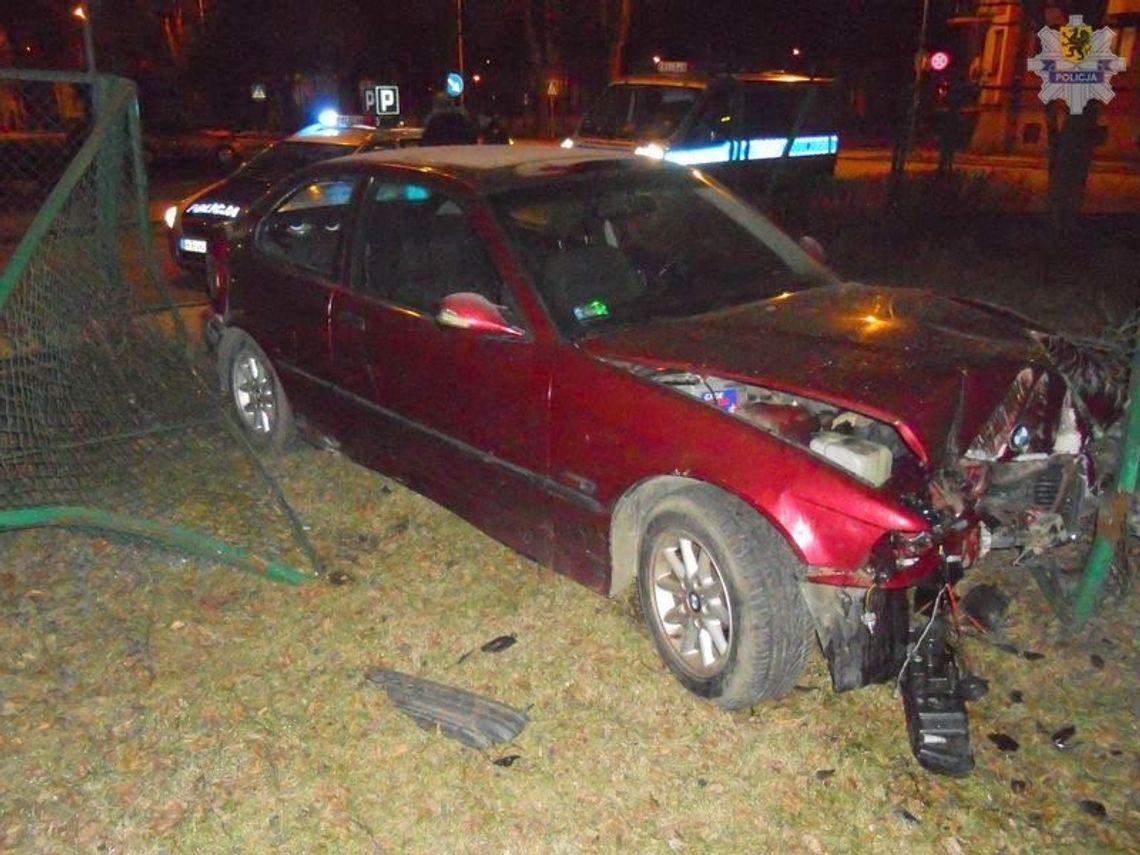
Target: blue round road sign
{"type": "Point", "coordinates": [454, 85]}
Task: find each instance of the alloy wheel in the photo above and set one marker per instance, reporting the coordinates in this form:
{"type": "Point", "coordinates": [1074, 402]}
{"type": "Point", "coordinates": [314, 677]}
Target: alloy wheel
{"type": "Point", "coordinates": [253, 391]}
{"type": "Point", "coordinates": [691, 604]}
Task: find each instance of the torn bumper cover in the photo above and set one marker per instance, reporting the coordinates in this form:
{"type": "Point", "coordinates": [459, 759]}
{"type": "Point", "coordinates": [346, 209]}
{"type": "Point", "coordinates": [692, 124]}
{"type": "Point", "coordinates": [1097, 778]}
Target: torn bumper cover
{"type": "Point", "coordinates": [476, 721]}
{"type": "Point", "coordinates": [862, 631]}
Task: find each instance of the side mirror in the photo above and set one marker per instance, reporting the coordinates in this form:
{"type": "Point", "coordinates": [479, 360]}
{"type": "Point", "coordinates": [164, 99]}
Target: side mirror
{"type": "Point", "coordinates": [468, 311]}
{"type": "Point", "coordinates": [813, 248]}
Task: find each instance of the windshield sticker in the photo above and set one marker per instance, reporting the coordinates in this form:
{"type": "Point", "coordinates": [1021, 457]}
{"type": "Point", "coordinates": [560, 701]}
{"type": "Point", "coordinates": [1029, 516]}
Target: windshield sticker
{"type": "Point", "coordinates": [591, 311]}
{"type": "Point", "coordinates": [214, 209]}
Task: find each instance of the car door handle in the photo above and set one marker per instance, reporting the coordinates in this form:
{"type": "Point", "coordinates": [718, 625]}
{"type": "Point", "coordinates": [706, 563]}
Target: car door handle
{"type": "Point", "coordinates": [352, 319]}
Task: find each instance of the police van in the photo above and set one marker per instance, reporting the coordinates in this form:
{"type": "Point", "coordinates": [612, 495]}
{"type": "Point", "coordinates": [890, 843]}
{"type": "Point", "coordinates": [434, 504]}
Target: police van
{"type": "Point", "coordinates": [735, 126]}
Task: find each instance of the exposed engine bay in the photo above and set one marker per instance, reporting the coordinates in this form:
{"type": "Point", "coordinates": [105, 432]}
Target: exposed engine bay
{"type": "Point", "coordinates": [1028, 479]}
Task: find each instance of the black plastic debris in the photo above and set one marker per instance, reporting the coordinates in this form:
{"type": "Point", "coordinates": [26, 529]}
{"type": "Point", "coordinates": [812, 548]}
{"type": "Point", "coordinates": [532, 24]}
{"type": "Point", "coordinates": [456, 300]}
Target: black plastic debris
{"type": "Point", "coordinates": [972, 687]}
{"type": "Point", "coordinates": [476, 721]}
{"type": "Point", "coordinates": [495, 645]}
{"type": "Point", "coordinates": [1016, 696]}
{"type": "Point", "coordinates": [1032, 655]}
{"type": "Point", "coordinates": [986, 605]}
{"type": "Point", "coordinates": [824, 774]}
{"type": "Point", "coordinates": [1018, 786]}
{"type": "Point", "coordinates": [1003, 741]}
{"type": "Point", "coordinates": [1062, 738]}
{"type": "Point", "coordinates": [507, 760]}
{"type": "Point", "coordinates": [907, 816]}
{"type": "Point", "coordinates": [1097, 661]}
{"type": "Point", "coordinates": [499, 643]}
{"type": "Point", "coordinates": [936, 719]}
{"type": "Point", "coordinates": [1094, 808]}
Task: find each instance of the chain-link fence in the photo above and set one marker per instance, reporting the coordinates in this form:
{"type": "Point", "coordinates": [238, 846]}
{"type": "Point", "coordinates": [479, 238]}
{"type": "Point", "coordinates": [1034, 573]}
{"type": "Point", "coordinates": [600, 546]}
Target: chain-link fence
{"type": "Point", "coordinates": [107, 422]}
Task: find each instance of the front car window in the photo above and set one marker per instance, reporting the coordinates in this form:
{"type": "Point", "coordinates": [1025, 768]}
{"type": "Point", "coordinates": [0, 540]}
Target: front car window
{"type": "Point", "coordinates": [418, 246]}
{"type": "Point", "coordinates": [639, 112]}
{"type": "Point", "coordinates": [306, 229]}
{"type": "Point", "coordinates": [631, 246]}
{"type": "Point", "coordinates": [713, 120]}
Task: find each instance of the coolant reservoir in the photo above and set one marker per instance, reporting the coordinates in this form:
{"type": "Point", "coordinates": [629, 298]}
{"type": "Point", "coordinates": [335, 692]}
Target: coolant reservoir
{"type": "Point", "coordinates": [865, 459]}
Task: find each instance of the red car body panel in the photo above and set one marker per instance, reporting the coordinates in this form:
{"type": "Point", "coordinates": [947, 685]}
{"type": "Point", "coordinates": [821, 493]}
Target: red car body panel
{"type": "Point", "coordinates": [904, 357]}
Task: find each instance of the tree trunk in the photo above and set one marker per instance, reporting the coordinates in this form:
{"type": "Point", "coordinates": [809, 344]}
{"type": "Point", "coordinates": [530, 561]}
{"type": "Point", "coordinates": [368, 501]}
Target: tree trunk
{"type": "Point", "coordinates": [534, 61]}
{"type": "Point", "coordinates": [619, 37]}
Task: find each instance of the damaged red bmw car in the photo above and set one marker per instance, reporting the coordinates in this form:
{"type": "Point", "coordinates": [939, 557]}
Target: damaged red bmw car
{"type": "Point", "coordinates": [626, 373]}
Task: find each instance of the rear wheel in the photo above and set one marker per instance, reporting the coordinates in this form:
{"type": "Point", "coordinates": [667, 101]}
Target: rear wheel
{"type": "Point", "coordinates": [256, 393]}
{"type": "Point", "coordinates": [719, 590]}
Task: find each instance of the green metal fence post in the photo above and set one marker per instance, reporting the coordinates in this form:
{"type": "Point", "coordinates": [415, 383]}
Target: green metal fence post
{"type": "Point", "coordinates": [1114, 526]}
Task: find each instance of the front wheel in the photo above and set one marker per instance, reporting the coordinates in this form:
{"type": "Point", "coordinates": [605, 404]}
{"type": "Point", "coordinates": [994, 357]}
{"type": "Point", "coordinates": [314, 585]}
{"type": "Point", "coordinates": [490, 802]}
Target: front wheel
{"type": "Point", "coordinates": [719, 590]}
{"type": "Point", "coordinates": [256, 393]}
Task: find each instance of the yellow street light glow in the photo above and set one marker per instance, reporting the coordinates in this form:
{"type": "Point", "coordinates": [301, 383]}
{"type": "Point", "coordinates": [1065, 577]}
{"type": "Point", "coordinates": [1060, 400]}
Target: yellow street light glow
{"type": "Point", "coordinates": [80, 13]}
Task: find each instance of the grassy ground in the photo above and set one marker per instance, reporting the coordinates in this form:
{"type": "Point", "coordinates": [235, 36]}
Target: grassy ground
{"type": "Point", "coordinates": [154, 704]}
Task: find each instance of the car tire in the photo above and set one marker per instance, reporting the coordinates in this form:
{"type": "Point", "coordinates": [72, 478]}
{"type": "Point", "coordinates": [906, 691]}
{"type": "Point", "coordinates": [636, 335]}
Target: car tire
{"type": "Point", "coordinates": [718, 588]}
{"type": "Point", "coordinates": [255, 392]}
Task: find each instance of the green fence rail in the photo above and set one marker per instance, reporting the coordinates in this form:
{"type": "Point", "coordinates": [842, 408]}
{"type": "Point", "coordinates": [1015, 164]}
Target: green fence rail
{"type": "Point", "coordinates": [108, 422]}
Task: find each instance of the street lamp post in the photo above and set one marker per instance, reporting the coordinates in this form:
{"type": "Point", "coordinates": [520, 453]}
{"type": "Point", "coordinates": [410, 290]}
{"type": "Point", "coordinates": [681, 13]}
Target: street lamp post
{"type": "Point", "coordinates": [82, 14]}
{"type": "Point", "coordinates": [459, 45]}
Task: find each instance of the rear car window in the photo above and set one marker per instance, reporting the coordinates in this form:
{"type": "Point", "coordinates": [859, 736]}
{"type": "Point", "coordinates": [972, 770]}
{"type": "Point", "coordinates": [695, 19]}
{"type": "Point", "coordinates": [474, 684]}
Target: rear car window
{"type": "Point", "coordinates": [279, 160]}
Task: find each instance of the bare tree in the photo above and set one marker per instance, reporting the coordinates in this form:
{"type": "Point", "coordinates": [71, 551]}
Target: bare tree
{"type": "Point", "coordinates": [616, 16]}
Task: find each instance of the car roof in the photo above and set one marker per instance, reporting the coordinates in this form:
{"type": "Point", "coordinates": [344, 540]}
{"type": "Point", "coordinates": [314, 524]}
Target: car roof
{"type": "Point", "coordinates": [352, 135]}
{"type": "Point", "coordinates": [494, 167]}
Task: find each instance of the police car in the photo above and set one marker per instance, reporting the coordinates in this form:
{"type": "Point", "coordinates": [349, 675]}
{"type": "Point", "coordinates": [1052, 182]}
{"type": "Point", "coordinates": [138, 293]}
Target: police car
{"type": "Point", "coordinates": [735, 126]}
{"type": "Point", "coordinates": [193, 221]}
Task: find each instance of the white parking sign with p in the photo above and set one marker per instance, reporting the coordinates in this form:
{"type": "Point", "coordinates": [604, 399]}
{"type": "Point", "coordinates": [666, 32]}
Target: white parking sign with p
{"type": "Point", "coordinates": [382, 100]}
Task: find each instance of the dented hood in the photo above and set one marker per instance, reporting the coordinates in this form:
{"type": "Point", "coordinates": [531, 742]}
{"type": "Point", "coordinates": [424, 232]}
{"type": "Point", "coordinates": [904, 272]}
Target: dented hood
{"type": "Point", "coordinates": [908, 357]}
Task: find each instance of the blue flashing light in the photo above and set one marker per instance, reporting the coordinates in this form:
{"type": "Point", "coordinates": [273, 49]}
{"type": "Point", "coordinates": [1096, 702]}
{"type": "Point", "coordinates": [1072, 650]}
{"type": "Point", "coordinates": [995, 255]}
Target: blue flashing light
{"type": "Point", "coordinates": [328, 117]}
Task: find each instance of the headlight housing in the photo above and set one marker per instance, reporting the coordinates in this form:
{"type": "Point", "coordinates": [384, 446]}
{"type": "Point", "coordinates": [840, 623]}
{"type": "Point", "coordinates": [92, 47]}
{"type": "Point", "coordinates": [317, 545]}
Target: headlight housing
{"type": "Point", "coordinates": [170, 216]}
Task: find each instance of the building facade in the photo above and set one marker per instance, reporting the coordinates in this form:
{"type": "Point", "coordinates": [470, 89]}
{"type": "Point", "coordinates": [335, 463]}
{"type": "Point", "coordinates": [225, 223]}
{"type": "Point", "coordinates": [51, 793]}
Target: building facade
{"type": "Point", "coordinates": [1006, 112]}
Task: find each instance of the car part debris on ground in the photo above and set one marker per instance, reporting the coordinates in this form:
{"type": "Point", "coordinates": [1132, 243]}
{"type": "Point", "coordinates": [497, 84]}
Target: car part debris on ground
{"type": "Point", "coordinates": [476, 721]}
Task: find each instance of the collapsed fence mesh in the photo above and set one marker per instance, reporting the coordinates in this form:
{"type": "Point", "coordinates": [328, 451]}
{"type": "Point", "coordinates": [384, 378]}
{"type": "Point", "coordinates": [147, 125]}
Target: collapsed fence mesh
{"type": "Point", "coordinates": [109, 417]}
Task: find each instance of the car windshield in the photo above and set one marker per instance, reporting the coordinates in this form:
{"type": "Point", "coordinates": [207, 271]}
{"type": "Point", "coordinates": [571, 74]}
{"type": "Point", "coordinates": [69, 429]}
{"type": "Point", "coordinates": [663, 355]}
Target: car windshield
{"type": "Point", "coordinates": [623, 247]}
{"type": "Point", "coordinates": [279, 160]}
{"type": "Point", "coordinates": [639, 112]}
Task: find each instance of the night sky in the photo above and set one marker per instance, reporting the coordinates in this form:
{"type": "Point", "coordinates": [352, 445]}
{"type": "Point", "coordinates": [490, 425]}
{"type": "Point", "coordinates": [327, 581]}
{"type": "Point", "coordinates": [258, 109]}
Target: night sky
{"type": "Point", "coordinates": [412, 42]}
